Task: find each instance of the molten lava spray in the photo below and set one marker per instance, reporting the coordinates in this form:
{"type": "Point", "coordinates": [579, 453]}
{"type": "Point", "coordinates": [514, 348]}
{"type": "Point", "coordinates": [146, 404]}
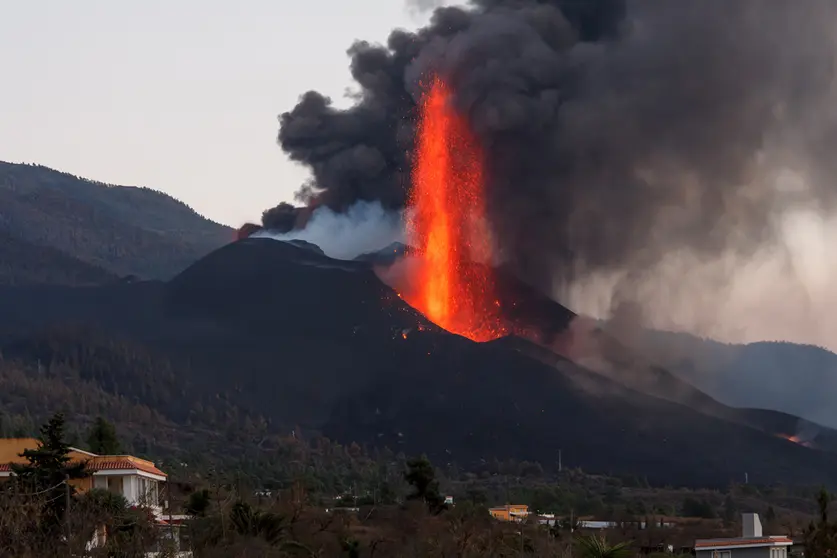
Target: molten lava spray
{"type": "Point", "coordinates": [447, 223]}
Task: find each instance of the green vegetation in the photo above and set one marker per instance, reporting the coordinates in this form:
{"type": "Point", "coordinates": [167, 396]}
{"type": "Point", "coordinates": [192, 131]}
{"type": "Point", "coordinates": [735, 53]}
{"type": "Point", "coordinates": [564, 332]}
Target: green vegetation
{"type": "Point", "coordinates": [231, 519]}
{"type": "Point", "coordinates": [215, 442]}
{"type": "Point", "coordinates": [47, 471]}
{"type": "Point", "coordinates": [821, 537]}
{"type": "Point", "coordinates": [596, 546]}
{"type": "Point", "coordinates": [422, 477]}
{"type": "Point", "coordinates": [102, 438]}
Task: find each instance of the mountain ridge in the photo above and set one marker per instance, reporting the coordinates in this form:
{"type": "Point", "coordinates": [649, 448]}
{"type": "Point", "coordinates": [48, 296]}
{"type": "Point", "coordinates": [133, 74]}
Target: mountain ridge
{"type": "Point", "coordinates": [789, 377]}
{"type": "Point", "coordinates": [122, 230]}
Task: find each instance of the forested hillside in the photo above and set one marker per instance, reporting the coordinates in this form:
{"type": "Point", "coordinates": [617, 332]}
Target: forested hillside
{"type": "Point", "coordinates": [60, 229]}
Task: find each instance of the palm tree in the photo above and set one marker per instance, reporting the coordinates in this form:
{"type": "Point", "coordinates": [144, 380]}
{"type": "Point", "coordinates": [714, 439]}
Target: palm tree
{"type": "Point", "coordinates": [595, 546]}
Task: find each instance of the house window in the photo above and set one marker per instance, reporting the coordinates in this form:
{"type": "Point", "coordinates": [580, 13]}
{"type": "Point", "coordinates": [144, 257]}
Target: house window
{"type": "Point", "coordinates": [779, 552]}
{"type": "Point", "coordinates": [723, 554]}
{"type": "Point", "coordinates": [147, 491]}
{"type": "Point", "coordinates": [115, 485]}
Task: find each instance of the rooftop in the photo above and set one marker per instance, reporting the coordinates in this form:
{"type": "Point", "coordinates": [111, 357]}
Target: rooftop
{"type": "Point", "coordinates": [11, 448]}
{"type": "Point", "coordinates": [751, 536]}
{"type": "Point", "coordinates": [707, 544]}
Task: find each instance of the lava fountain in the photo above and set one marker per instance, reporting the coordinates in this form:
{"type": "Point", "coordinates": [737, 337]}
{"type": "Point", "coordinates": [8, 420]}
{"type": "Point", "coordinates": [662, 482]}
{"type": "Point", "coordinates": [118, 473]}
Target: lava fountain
{"type": "Point", "coordinates": [447, 225]}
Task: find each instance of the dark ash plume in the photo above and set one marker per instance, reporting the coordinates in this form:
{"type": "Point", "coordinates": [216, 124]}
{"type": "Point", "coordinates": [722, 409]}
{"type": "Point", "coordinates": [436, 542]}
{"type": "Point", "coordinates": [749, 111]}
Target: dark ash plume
{"type": "Point", "coordinates": [617, 132]}
{"type": "Point", "coordinates": [284, 218]}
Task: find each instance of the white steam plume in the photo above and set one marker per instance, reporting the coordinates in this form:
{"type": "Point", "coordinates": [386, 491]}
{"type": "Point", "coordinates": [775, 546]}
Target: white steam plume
{"type": "Point", "coordinates": [365, 227]}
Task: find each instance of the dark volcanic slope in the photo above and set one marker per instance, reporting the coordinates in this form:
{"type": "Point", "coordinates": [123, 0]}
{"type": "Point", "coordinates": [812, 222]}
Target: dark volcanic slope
{"type": "Point", "coordinates": [313, 342]}
{"type": "Point", "coordinates": [123, 230]}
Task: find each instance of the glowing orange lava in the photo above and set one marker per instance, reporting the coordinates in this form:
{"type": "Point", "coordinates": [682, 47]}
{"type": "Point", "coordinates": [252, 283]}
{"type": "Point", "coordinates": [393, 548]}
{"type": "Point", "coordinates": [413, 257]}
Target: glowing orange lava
{"type": "Point", "coordinates": [447, 223]}
{"type": "Point", "coordinates": [796, 440]}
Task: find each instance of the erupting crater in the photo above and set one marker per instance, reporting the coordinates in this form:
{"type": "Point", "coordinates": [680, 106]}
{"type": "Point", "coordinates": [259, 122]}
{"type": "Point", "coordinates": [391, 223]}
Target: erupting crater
{"type": "Point", "coordinates": [453, 283]}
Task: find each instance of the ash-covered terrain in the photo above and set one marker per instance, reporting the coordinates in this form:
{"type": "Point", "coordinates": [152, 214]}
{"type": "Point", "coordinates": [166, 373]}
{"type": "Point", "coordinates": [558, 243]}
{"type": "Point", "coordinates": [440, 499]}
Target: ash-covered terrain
{"type": "Point", "coordinates": [323, 345]}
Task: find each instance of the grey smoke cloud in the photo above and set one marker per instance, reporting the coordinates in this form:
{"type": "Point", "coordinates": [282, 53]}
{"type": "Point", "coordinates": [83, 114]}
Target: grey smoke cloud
{"type": "Point", "coordinates": [421, 6]}
{"type": "Point", "coordinates": [675, 156]}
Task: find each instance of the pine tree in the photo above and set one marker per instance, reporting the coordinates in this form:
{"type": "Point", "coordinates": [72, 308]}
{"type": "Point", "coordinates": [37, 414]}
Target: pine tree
{"type": "Point", "coordinates": [421, 476]}
{"type": "Point", "coordinates": [102, 438]}
{"type": "Point", "coordinates": [730, 511]}
{"type": "Point", "coordinates": [48, 469]}
{"type": "Point", "coordinates": [821, 538]}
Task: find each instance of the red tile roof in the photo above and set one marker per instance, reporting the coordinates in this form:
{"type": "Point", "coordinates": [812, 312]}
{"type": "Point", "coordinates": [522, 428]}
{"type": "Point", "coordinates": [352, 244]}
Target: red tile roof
{"type": "Point", "coordinates": [741, 542]}
{"type": "Point", "coordinates": [116, 464]}
{"type": "Point", "coordinates": [125, 464]}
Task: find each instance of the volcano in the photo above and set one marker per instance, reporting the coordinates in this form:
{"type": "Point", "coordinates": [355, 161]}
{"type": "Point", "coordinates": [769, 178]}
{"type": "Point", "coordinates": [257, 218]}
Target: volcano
{"type": "Point", "coordinates": [324, 345]}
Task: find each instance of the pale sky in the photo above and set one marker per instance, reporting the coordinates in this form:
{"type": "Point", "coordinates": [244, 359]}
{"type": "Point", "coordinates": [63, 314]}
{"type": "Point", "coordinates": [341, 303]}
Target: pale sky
{"type": "Point", "coordinates": [178, 95]}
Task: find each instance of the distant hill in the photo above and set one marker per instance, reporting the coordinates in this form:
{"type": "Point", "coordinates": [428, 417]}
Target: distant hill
{"type": "Point", "coordinates": [266, 335]}
{"type": "Point", "coordinates": [62, 229]}
{"type": "Point", "coordinates": [796, 379]}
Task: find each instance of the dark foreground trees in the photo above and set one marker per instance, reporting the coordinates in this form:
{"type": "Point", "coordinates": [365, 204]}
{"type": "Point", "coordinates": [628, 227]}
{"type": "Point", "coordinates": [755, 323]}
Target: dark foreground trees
{"type": "Point", "coordinates": [48, 472]}
{"type": "Point", "coordinates": [41, 515]}
{"type": "Point", "coordinates": [596, 546]}
{"type": "Point", "coordinates": [821, 537]}
{"type": "Point", "coordinates": [229, 520]}
{"type": "Point", "coordinates": [102, 438]}
{"type": "Point", "coordinates": [421, 476]}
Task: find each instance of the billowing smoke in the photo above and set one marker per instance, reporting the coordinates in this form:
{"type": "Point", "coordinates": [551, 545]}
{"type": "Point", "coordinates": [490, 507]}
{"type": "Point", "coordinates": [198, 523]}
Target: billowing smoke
{"type": "Point", "coordinates": [419, 6]}
{"type": "Point", "coordinates": [671, 157]}
{"type": "Point", "coordinates": [365, 227]}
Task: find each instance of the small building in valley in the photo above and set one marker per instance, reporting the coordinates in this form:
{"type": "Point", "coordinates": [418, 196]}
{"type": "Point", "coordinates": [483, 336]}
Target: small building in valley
{"type": "Point", "coordinates": [751, 544]}
{"type": "Point", "coordinates": [510, 512]}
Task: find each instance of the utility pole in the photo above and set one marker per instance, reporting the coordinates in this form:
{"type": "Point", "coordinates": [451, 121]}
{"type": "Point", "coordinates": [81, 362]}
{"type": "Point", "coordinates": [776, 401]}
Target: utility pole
{"type": "Point", "coordinates": [521, 537]}
{"type": "Point", "coordinates": [572, 531]}
{"type": "Point", "coordinates": [560, 465]}
{"type": "Point", "coordinates": [67, 505]}
{"type": "Point", "coordinates": [168, 505]}
{"type": "Point", "coordinates": [507, 492]}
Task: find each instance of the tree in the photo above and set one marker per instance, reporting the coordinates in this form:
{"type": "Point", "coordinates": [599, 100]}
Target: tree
{"type": "Point", "coordinates": [697, 508]}
{"type": "Point", "coordinates": [821, 539]}
{"type": "Point", "coordinates": [770, 515]}
{"type": "Point", "coordinates": [198, 503]}
{"type": "Point", "coordinates": [49, 469]}
{"type": "Point", "coordinates": [595, 546]}
{"type": "Point", "coordinates": [730, 511]}
{"type": "Point", "coordinates": [102, 438]}
{"type": "Point", "coordinates": [422, 477]}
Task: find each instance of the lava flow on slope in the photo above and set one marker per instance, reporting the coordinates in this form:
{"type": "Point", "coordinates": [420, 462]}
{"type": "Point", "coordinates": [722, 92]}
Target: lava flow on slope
{"type": "Point", "coordinates": [447, 224]}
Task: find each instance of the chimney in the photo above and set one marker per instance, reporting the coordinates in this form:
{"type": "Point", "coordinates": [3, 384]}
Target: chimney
{"type": "Point", "coordinates": [751, 526]}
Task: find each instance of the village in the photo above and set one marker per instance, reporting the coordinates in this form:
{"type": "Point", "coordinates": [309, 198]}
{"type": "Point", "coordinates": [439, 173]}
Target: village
{"type": "Point", "coordinates": [144, 486]}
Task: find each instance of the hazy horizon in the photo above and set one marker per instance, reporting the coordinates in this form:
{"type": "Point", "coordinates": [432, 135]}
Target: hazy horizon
{"type": "Point", "coordinates": [179, 97]}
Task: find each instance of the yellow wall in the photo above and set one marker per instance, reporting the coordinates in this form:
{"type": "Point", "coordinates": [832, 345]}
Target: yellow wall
{"type": "Point", "coordinates": [11, 448]}
{"type": "Point", "coordinates": [504, 513]}
{"type": "Point", "coordinates": [82, 485]}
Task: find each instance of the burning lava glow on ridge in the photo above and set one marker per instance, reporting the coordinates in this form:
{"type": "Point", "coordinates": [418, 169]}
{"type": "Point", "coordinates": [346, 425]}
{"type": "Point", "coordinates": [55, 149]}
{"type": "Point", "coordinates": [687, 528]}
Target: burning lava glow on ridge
{"type": "Point", "coordinates": [447, 225]}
